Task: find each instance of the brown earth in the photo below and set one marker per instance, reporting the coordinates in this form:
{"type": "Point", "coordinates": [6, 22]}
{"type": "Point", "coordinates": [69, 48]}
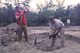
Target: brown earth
{"type": "Point", "coordinates": [33, 32]}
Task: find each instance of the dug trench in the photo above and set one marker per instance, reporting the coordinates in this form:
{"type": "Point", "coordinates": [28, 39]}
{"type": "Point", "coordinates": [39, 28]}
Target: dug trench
{"type": "Point", "coordinates": [44, 43]}
{"type": "Point", "coordinates": [41, 46]}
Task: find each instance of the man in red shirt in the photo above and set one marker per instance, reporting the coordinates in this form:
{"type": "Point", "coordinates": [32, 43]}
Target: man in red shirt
{"type": "Point", "coordinates": [21, 21]}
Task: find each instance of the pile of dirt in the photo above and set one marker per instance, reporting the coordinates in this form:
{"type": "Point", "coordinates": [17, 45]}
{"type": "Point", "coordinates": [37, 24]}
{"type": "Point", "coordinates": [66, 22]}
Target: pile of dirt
{"type": "Point", "coordinates": [12, 26]}
{"type": "Point", "coordinates": [5, 40]}
{"type": "Point", "coordinates": [7, 34]}
{"type": "Point", "coordinates": [12, 48]}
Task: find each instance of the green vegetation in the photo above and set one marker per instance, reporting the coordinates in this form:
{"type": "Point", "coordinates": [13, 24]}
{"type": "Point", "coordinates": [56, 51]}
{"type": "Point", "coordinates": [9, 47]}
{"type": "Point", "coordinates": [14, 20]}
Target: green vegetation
{"type": "Point", "coordinates": [7, 15]}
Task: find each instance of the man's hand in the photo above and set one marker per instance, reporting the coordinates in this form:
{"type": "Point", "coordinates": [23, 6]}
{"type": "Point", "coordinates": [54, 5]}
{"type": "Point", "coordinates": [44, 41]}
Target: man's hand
{"type": "Point", "coordinates": [17, 17]}
{"type": "Point", "coordinates": [52, 36]}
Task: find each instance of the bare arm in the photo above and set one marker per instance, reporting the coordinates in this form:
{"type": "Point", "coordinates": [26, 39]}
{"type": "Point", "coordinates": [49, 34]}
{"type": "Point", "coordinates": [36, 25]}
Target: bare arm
{"type": "Point", "coordinates": [50, 28]}
{"type": "Point", "coordinates": [56, 31]}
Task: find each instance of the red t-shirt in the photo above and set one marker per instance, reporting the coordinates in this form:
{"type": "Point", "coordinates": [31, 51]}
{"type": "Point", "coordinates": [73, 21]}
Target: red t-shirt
{"type": "Point", "coordinates": [23, 18]}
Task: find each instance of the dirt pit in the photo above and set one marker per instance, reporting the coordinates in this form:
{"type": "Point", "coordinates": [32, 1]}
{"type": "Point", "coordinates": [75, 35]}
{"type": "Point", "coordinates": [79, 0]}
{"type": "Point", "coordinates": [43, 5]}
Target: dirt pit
{"type": "Point", "coordinates": [45, 45]}
{"type": "Point", "coordinates": [40, 47]}
{"type": "Point", "coordinates": [23, 47]}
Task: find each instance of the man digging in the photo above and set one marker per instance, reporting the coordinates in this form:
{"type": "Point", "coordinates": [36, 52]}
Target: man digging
{"type": "Point", "coordinates": [21, 20]}
{"type": "Point", "coordinates": [56, 27]}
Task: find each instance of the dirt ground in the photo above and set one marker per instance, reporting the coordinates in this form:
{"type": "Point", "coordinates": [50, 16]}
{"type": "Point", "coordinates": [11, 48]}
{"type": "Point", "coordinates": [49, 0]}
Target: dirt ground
{"type": "Point", "coordinates": [40, 47]}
